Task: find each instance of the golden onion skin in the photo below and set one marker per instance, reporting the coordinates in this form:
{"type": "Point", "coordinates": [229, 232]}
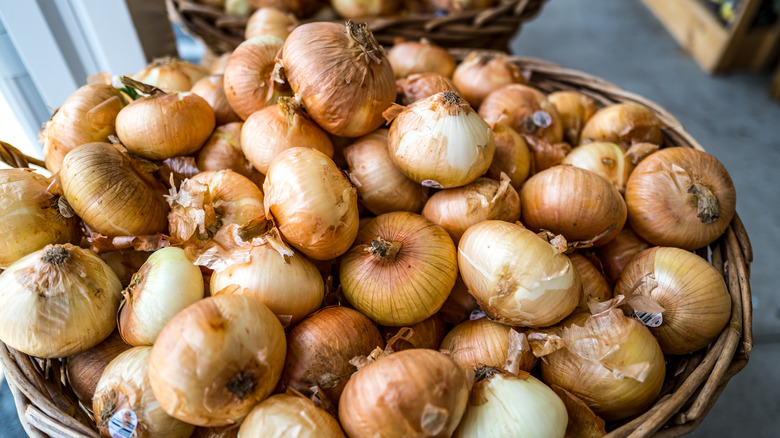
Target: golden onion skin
{"type": "Point", "coordinates": [249, 85]}
{"type": "Point", "coordinates": [284, 415]}
{"type": "Point", "coordinates": [416, 57]}
{"type": "Point", "coordinates": [516, 105]}
{"type": "Point", "coordinates": [212, 89]}
{"type": "Point", "coordinates": [623, 124]}
{"type": "Point", "coordinates": [575, 110]}
{"type": "Point", "coordinates": [482, 342]}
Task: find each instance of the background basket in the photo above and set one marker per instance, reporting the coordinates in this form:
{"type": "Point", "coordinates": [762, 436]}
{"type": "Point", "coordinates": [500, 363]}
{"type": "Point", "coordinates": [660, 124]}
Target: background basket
{"type": "Point", "coordinates": [489, 28]}
{"type": "Point", "coordinates": [47, 406]}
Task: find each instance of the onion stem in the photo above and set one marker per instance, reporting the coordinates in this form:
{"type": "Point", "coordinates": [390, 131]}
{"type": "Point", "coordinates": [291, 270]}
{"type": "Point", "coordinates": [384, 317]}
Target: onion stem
{"type": "Point", "coordinates": [384, 249]}
{"type": "Point", "coordinates": [56, 255]}
{"type": "Point", "coordinates": [360, 34]}
{"type": "Point", "coordinates": [707, 203]}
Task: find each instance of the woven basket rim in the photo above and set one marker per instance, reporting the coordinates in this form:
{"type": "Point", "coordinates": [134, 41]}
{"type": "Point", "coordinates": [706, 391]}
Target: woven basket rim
{"type": "Point", "coordinates": [47, 407]}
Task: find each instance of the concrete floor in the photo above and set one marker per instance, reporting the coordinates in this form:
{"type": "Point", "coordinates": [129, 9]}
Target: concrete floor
{"type": "Point", "coordinates": [731, 116]}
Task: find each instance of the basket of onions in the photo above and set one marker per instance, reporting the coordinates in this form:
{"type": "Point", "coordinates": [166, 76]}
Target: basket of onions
{"type": "Point", "coordinates": [488, 24]}
{"type": "Point", "coordinates": [342, 241]}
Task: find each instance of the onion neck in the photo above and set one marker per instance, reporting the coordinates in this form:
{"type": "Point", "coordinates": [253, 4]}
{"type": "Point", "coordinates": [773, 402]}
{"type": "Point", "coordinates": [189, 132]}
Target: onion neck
{"type": "Point", "coordinates": [383, 249]}
{"type": "Point", "coordinates": [708, 207]}
{"type": "Point", "coordinates": [56, 255]}
{"type": "Point", "coordinates": [485, 372]}
{"type": "Point", "coordinates": [360, 34]}
{"type": "Point", "coordinates": [242, 384]}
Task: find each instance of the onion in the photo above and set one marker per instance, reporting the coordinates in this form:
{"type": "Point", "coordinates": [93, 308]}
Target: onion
{"type": "Point", "coordinates": [680, 197]}
{"type": "Point", "coordinates": [216, 359]}
{"type": "Point", "coordinates": [484, 199]}
{"type": "Point", "coordinates": [299, 8]}
{"type": "Point", "coordinates": [58, 301]}
{"type": "Point", "coordinates": [320, 348]}
{"type": "Point", "coordinates": [526, 110]}
{"type": "Point", "coordinates": [398, 259]}
{"type": "Point", "coordinates": [574, 202]}
{"type": "Point", "coordinates": [30, 216]}
{"type": "Point", "coordinates": [512, 405]}
{"type": "Point", "coordinates": [516, 277]}
{"type": "Point", "coordinates": [279, 127]}
{"type": "Point", "coordinates": [440, 141]}
{"type": "Point", "coordinates": [249, 75]}
{"type": "Point", "coordinates": [170, 74]}
{"type": "Point", "coordinates": [125, 263]}
{"type": "Point", "coordinates": [414, 57]}
{"type": "Point", "coordinates": [124, 396]}
{"type": "Point", "coordinates": [88, 115]}
{"type": "Point", "coordinates": [482, 73]}
{"type": "Point", "coordinates": [623, 124]}
{"type": "Point", "coordinates": [223, 151]}
{"type": "Point", "coordinates": [381, 186]}
{"type": "Point", "coordinates": [459, 305]}
{"type": "Point", "coordinates": [421, 85]}
{"type": "Point", "coordinates": [696, 303]}
{"type": "Point", "coordinates": [415, 392]}
{"type": "Point", "coordinates": [341, 75]}
{"type": "Point", "coordinates": [512, 156]}
{"type": "Point", "coordinates": [312, 202]}
{"type": "Point", "coordinates": [84, 369]}
{"type": "Point", "coordinates": [269, 21]}
{"type": "Point", "coordinates": [482, 342]}
{"type": "Point", "coordinates": [427, 333]}
{"type": "Point", "coordinates": [594, 286]}
{"type": "Point", "coordinates": [611, 362]}
{"type": "Point", "coordinates": [575, 110]}
{"type": "Point", "coordinates": [218, 64]}
{"type": "Point", "coordinates": [165, 284]}
{"type": "Point", "coordinates": [457, 5]}
{"type": "Point", "coordinates": [616, 254]}
{"type": "Point", "coordinates": [609, 160]}
{"type": "Point", "coordinates": [285, 415]}
{"type": "Point", "coordinates": [212, 89]}
{"type": "Point", "coordinates": [365, 8]}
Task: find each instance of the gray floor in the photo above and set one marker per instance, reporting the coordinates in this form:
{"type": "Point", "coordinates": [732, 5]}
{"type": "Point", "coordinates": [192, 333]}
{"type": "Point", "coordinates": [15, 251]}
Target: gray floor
{"type": "Point", "coordinates": [731, 116]}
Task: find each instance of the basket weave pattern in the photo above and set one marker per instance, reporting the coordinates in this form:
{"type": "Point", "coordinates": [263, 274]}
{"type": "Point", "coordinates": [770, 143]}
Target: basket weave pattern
{"type": "Point", "coordinates": [48, 407]}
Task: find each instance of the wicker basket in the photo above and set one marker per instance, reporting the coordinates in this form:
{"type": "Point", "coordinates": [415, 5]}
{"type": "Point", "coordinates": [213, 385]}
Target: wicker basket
{"type": "Point", "coordinates": [490, 28]}
{"type": "Point", "coordinates": [47, 406]}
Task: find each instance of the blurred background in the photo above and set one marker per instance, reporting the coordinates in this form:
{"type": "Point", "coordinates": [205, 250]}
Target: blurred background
{"type": "Point", "coordinates": [711, 63]}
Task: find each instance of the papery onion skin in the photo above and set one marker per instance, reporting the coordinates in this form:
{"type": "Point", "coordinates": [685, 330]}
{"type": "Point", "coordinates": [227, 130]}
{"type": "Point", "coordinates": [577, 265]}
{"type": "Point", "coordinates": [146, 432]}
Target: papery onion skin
{"type": "Point", "coordinates": [421, 85]}
{"type": "Point", "coordinates": [284, 415]}
{"type": "Point", "coordinates": [341, 75]}
{"type": "Point", "coordinates": [594, 285]}
{"type": "Point", "coordinates": [216, 359]}
{"type": "Point", "coordinates": [616, 254]}
{"type": "Point", "coordinates": [84, 369]}
{"type": "Point", "coordinates": [485, 199]}
{"type": "Point", "coordinates": [170, 74]}
{"type": "Point", "coordinates": [269, 21]}
{"type": "Point", "coordinates": [517, 105]}
{"type": "Point", "coordinates": [441, 142]}
{"type": "Point", "coordinates": [607, 160]}
{"type": "Point", "coordinates": [223, 151]}
{"type": "Point", "coordinates": [623, 124]}
{"type": "Point", "coordinates": [273, 129]}
{"type": "Point", "coordinates": [414, 57]}
{"type": "Point", "coordinates": [30, 217]}
{"type": "Point", "coordinates": [574, 202]}
{"type": "Point", "coordinates": [516, 277]}
{"type": "Point", "coordinates": [512, 156]}
{"type": "Point", "coordinates": [313, 203]}
{"type": "Point", "coordinates": [381, 186]}
{"type": "Point", "coordinates": [415, 392]}
{"type": "Point", "coordinates": [680, 197]}
{"type": "Point", "coordinates": [575, 110]}
{"type": "Point", "coordinates": [696, 301]}
{"type": "Point", "coordinates": [320, 347]}
{"type": "Point", "coordinates": [249, 85]}
{"type": "Point", "coordinates": [425, 334]}
{"type": "Point", "coordinates": [212, 89]}
{"type": "Point", "coordinates": [167, 283]}
{"type": "Point", "coordinates": [236, 198]}
{"type": "Point", "coordinates": [125, 385]}
{"type": "Point", "coordinates": [479, 74]}
{"type": "Point", "coordinates": [58, 301]}
{"type": "Point", "coordinates": [398, 259]}
{"type": "Point", "coordinates": [88, 115]}
{"type": "Point", "coordinates": [482, 342]}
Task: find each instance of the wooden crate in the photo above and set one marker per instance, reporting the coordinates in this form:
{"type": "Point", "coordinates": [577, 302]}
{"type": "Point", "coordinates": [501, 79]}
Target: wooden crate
{"type": "Point", "coordinates": [715, 47]}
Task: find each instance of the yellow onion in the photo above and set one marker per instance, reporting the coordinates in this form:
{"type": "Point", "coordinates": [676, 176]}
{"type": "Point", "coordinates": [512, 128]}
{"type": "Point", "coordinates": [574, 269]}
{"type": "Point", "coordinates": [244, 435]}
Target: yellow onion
{"type": "Point", "coordinates": [84, 369]}
{"type": "Point", "coordinates": [427, 333]}
{"type": "Point", "coordinates": [365, 8]}
{"type": "Point", "coordinates": [167, 283]}
{"type": "Point", "coordinates": [212, 89]}
{"type": "Point", "coordinates": [249, 79]}
{"type": "Point", "coordinates": [526, 110]}
{"type": "Point", "coordinates": [594, 287]}
{"type": "Point", "coordinates": [421, 85]}
{"type": "Point", "coordinates": [312, 202]}
{"type": "Point", "coordinates": [398, 259]}
{"type": "Point", "coordinates": [269, 21]}
{"type": "Point", "coordinates": [218, 64]}
{"type": "Point", "coordinates": [279, 127]}
{"type": "Point", "coordinates": [516, 277]}
{"type": "Point", "coordinates": [88, 115]}
{"type": "Point", "coordinates": [170, 74]}
{"type": "Point", "coordinates": [163, 125]}
{"type": "Point", "coordinates": [503, 404]}
{"type": "Point", "coordinates": [612, 362]}
{"type": "Point", "coordinates": [623, 124]}
{"type": "Point", "coordinates": [299, 8]}
{"type": "Point", "coordinates": [381, 186]}
{"type": "Point", "coordinates": [30, 216]}
{"type": "Point", "coordinates": [574, 202]}
{"type": "Point", "coordinates": [512, 156]}
{"type": "Point", "coordinates": [125, 263]}
{"type": "Point", "coordinates": [284, 415]}
{"type": "Point", "coordinates": [58, 301]}
{"type": "Point", "coordinates": [440, 141]}
{"type": "Point", "coordinates": [616, 254]}
{"type": "Point", "coordinates": [216, 359]}
{"type": "Point", "coordinates": [482, 342]}
{"type": "Point", "coordinates": [696, 302]}
{"type": "Point", "coordinates": [484, 199]}
{"type": "Point", "coordinates": [320, 348]}
{"type": "Point", "coordinates": [124, 401]}
{"type": "Point", "coordinates": [415, 392]}
{"type": "Point", "coordinates": [575, 110]}
{"type": "Point", "coordinates": [413, 57]}
{"type": "Point", "coordinates": [341, 75]}
{"type": "Point", "coordinates": [459, 305]}
{"type": "Point", "coordinates": [482, 73]}
{"type": "Point", "coordinates": [609, 160]}
{"type": "Point", "coordinates": [680, 197]}
{"type": "Point", "coordinates": [110, 193]}
{"type": "Point", "coordinates": [223, 151]}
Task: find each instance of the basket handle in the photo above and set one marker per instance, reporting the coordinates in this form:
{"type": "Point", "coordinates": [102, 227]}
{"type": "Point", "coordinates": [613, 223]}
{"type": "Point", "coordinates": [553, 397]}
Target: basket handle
{"type": "Point", "coordinates": [15, 158]}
